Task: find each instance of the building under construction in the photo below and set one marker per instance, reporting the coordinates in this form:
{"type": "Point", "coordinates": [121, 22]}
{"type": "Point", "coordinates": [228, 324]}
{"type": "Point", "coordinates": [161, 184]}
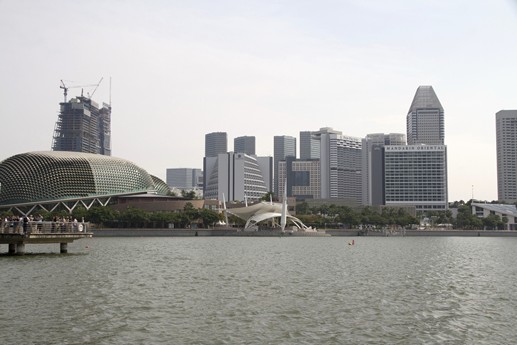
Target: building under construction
{"type": "Point", "coordinates": [82, 126]}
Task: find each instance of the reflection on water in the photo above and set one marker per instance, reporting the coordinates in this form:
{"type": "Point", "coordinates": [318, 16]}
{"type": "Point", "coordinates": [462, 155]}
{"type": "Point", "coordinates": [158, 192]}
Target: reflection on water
{"type": "Point", "coordinates": [436, 290]}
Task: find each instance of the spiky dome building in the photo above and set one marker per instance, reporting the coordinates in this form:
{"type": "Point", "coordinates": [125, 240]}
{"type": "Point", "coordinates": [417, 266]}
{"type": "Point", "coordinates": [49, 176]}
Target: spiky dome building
{"type": "Point", "coordinates": [59, 175]}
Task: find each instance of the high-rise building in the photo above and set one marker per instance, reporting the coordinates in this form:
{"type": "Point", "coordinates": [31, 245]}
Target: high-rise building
{"type": "Point", "coordinates": [506, 145]}
{"type": "Point", "coordinates": [416, 175]}
{"type": "Point", "coordinates": [244, 144]}
{"type": "Point", "coordinates": [303, 178]}
{"type": "Point", "coordinates": [216, 143]}
{"type": "Point", "coordinates": [309, 145]}
{"type": "Point", "coordinates": [425, 120]}
{"type": "Point", "coordinates": [83, 126]}
{"type": "Point", "coordinates": [236, 176]}
{"type": "Point", "coordinates": [373, 165]}
{"type": "Point", "coordinates": [283, 146]}
{"type": "Point", "coordinates": [184, 178]}
{"type": "Point", "coordinates": [340, 164]}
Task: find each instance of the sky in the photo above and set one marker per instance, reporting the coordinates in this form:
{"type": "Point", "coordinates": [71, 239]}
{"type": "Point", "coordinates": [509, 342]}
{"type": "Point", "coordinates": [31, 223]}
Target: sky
{"type": "Point", "coordinates": [182, 69]}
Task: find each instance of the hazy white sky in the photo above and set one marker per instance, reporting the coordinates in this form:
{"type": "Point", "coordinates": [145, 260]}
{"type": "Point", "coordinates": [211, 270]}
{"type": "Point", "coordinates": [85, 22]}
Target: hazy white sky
{"type": "Point", "coordinates": [181, 69]}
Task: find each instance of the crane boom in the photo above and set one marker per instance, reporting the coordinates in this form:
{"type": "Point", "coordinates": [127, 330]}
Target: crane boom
{"type": "Point", "coordinates": [66, 88]}
{"type": "Point", "coordinates": [96, 87]}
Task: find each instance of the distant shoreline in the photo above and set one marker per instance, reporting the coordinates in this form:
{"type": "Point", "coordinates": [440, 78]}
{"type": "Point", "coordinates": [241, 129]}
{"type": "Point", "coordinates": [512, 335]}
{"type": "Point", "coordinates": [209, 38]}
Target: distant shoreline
{"type": "Point", "coordinates": [108, 232]}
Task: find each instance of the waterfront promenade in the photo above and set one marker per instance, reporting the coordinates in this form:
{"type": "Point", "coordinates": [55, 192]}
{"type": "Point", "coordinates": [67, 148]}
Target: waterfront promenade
{"type": "Point", "coordinates": [113, 232]}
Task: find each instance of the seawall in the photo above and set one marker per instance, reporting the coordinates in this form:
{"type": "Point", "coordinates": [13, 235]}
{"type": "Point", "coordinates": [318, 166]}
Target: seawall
{"type": "Point", "coordinates": [269, 233]}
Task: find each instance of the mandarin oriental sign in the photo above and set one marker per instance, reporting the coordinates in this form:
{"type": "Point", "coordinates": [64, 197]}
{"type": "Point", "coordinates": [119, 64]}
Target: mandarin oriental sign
{"type": "Point", "coordinates": [415, 148]}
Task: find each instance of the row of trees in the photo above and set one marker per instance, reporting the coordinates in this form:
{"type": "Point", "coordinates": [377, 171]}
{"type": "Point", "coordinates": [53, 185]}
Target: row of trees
{"type": "Point", "coordinates": [329, 216]}
{"type": "Point", "coordinates": [323, 216]}
{"type": "Point", "coordinates": [386, 217]}
{"type": "Point", "coordinates": [137, 218]}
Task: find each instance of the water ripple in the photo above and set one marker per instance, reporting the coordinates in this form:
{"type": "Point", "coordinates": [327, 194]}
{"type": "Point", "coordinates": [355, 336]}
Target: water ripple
{"type": "Point", "coordinates": [263, 291]}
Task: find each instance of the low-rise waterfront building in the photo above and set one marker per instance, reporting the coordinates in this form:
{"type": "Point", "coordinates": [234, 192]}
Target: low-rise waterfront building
{"type": "Point", "coordinates": [504, 211]}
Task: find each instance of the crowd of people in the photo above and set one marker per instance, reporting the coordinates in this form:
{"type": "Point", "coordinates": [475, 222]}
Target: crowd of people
{"type": "Point", "coordinates": [27, 224]}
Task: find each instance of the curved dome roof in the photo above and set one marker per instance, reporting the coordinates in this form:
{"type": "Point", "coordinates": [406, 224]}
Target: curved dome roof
{"type": "Point", "coordinates": [54, 175]}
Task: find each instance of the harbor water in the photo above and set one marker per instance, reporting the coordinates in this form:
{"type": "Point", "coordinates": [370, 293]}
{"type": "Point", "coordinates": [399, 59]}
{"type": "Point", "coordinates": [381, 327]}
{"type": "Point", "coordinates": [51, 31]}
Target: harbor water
{"type": "Point", "coordinates": [275, 290]}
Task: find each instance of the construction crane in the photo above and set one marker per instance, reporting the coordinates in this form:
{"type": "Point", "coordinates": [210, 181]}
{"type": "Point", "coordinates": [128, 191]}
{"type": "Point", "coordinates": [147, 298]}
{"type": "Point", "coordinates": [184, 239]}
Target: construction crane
{"type": "Point", "coordinates": [90, 96]}
{"type": "Point", "coordinates": [65, 88]}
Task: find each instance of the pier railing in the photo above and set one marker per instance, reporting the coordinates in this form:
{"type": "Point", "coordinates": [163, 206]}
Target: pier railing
{"type": "Point", "coordinates": [43, 227]}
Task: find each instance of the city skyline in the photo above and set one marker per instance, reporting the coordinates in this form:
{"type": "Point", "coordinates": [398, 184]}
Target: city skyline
{"type": "Point", "coordinates": [263, 69]}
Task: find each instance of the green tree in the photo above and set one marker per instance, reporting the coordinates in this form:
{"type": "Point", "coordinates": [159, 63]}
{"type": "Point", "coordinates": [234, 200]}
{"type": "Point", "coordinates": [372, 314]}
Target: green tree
{"type": "Point", "coordinates": [348, 217]}
{"type": "Point", "coordinates": [302, 208]}
{"type": "Point", "coordinates": [269, 196]}
{"type": "Point", "coordinates": [208, 217]}
{"type": "Point", "coordinates": [101, 215]}
{"type": "Point", "coordinates": [134, 217]}
{"type": "Point", "coordinates": [190, 195]}
{"type": "Point", "coordinates": [492, 222]}
{"type": "Point", "coordinates": [161, 219]}
{"type": "Point", "coordinates": [190, 213]}
{"type": "Point", "coordinates": [79, 213]}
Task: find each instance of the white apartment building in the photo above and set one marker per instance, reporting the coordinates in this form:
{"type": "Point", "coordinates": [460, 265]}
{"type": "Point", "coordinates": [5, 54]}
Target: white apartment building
{"type": "Point", "coordinates": [340, 166]}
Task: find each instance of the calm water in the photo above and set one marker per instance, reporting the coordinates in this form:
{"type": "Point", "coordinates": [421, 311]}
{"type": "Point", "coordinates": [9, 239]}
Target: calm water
{"type": "Point", "coordinates": [437, 290]}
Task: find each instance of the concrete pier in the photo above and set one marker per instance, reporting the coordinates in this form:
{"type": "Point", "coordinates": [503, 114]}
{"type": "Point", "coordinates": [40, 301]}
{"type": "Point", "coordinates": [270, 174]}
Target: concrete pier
{"type": "Point", "coordinates": [20, 248]}
{"type": "Point", "coordinates": [17, 242]}
{"type": "Point", "coordinates": [16, 236]}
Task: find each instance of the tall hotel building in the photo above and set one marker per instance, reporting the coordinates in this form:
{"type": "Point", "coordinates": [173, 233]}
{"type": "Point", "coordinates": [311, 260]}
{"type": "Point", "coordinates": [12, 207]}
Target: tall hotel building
{"type": "Point", "coordinates": [283, 146]}
{"type": "Point", "coordinates": [244, 144]}
{"type": "Point", "coordinates": [83, 126]}
{"type": "Point", "coordinates": [416, 174]}
{"type": "Point", "coordinates": [506, 144]}
{"type": "Point", "coordinates": [340, 166]}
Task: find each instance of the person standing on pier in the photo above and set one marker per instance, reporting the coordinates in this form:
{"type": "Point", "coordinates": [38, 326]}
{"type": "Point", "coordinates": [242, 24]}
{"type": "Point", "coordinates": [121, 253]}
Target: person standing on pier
{"type": "Point", "coordinates": [25, 224]}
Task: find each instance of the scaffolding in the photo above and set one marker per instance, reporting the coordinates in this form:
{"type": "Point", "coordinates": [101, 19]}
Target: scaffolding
{"type": "Point", "coordinates": [82, 126]}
